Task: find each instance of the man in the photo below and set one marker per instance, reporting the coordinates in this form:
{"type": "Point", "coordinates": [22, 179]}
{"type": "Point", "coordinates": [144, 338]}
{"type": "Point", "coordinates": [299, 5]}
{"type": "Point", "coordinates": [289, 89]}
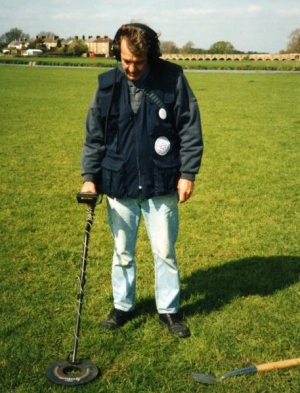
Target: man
{"type": "Point", "coordinates": [143, 149]}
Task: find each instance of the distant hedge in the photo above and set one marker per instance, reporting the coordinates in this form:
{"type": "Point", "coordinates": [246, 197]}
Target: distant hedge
{"type": "Point", "coordinates": [246, 65]}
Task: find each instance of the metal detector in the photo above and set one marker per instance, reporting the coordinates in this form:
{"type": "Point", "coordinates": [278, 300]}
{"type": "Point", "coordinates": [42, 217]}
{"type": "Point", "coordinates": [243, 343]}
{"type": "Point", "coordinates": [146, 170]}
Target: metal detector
{"type": "Point", "coordinates": [72, 371]}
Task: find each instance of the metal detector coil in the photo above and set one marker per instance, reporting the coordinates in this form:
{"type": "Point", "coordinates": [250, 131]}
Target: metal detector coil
{"type": "Point", "coordinates": [63, 372]}
{"type": "Point", "coordinates": [73, 371]}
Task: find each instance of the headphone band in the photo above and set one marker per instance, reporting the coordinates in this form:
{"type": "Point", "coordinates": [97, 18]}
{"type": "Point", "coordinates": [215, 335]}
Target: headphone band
{"type": "Point", "coordinates": [146, 29]}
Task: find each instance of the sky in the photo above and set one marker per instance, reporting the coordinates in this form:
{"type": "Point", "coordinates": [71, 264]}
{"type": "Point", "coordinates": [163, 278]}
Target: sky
{"type": "Point", "coordinates": [249, 25]}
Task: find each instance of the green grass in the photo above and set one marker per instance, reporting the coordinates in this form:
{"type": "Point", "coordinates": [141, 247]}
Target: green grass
{"type": "Point", "coordinates": [238, 248]}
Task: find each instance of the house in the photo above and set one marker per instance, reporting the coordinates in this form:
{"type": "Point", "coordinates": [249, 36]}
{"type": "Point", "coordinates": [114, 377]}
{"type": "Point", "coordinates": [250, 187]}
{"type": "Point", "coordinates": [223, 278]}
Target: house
{"type": "Point", "coordinates": [50, 42]}
{"type": "Point", "coordinates": [100, 45]}
{"type": "Point", "coordinates": [66, 43]}
{"type": "Point", "coordinates": [18, 44]}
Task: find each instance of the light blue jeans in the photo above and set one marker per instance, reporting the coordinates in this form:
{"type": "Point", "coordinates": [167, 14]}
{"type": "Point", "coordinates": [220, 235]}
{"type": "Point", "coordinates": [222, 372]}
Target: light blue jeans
{"type": "Point", "coordinates": [160, 214]}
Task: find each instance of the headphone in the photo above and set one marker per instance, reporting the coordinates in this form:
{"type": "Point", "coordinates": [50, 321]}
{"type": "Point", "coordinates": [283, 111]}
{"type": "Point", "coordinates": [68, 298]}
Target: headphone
{"type": "Point", "coordinates": [154, 51]}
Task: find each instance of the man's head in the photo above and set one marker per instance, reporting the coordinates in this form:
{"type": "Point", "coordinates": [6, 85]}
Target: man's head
{"type": "Point", "coordinates": [136, 45]}
{"type": "Point", "coordinates": [134, 66]}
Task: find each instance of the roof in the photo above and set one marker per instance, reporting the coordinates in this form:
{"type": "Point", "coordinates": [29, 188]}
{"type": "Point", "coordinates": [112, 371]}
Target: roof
{"type": "Point", "coordinates": [67, 42]}
{"type": "Point", "coordinates": [99, 39]}
{"type": "Point", "coordinates": [18, 42]}
{"type": "Point", "coordinates": [50, 40]}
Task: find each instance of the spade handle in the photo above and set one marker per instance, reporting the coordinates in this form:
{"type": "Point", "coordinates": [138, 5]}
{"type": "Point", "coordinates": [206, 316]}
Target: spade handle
{"type": "Point", "coordinates": [278, 365]}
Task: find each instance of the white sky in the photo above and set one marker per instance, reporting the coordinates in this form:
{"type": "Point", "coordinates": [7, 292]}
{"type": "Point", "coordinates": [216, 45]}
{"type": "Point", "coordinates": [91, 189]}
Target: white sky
{"type": "Point", "coordinates": [249, 25]}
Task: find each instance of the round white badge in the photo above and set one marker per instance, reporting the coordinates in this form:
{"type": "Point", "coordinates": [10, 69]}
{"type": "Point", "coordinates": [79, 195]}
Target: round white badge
{"type": "Point", "coordinates": [162, 113]}
{"type": "Point", "coordinates": [162, 145]}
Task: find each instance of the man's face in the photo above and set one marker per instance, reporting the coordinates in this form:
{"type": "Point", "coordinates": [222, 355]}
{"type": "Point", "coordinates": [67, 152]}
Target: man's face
{"type": "Point", "coordinates": [134, 66]}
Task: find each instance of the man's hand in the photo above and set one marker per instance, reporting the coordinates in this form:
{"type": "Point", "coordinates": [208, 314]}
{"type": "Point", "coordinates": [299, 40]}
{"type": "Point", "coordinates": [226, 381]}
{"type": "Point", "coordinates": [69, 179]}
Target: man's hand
{"type": "Point", "coordinates": [89, 186]}
{"type": "Point", "coordinates": [185, 189]}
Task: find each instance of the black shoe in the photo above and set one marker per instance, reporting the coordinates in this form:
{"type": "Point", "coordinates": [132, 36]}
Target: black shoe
{"type": "Point", "coordinates": [175, 325]}
{"type": "Point", "coordinates": [116, 318]}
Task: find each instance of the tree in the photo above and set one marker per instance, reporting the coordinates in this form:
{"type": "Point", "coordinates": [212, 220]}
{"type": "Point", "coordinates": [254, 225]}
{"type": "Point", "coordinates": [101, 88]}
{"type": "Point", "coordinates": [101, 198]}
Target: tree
{"type": "Point", "coordinates": [199, 51]}
{"type": "Point", "coordinates": [221, 48]}
{"type": "Point", "coordinates": [77, 48]}
{"type": "Point", "coordinates": [187, 48]}
{"type": "Point", "coordinates": [46, 34]}
{"type": "Point", "coordinates": [294, 42]}
{"type": "Point", "coordinates": [168, 47]}
{"type": "Point", "coordinates": [38, 43]}
{"type": "Point", "coordinates": [14, 34]}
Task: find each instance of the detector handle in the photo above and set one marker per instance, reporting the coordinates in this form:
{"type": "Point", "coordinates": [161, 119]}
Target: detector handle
{"type": "Point", "coordinates": [87, 197]}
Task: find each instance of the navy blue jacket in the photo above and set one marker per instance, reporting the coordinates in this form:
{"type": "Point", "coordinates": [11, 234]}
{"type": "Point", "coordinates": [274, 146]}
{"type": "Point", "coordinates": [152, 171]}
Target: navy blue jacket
{"type": "Point", "coordinates": [142, 151]}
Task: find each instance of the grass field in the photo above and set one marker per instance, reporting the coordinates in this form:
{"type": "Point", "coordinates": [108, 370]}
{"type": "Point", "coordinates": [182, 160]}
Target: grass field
{"type": "Point", "coordinates": [238, 248]}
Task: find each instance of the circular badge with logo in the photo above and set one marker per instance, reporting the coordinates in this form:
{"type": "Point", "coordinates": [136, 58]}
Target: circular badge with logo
{"type": "Point", "coordinates": [162, 113]}
{"type": "Point", "coordinates": [162, 145]}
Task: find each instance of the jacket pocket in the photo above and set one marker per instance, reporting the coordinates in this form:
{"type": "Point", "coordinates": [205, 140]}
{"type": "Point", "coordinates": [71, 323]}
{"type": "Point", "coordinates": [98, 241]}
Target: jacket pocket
{"type": "Point", "coordinates": [113, 175]}
{"type": "Point", "coordinates": [165, 175]}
